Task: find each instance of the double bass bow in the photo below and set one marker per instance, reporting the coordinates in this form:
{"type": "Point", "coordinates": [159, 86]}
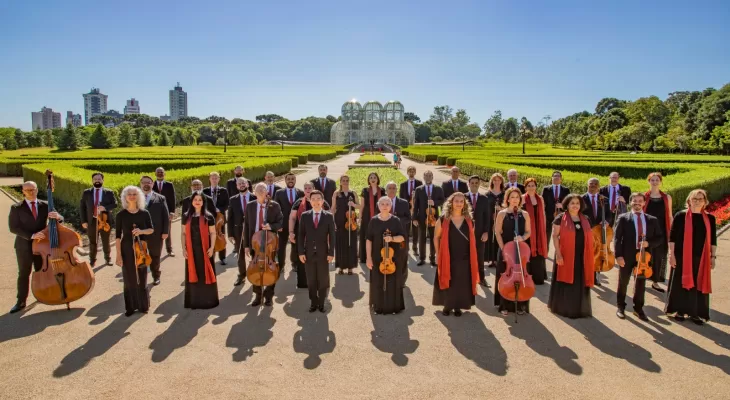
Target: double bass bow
{"type": "Point", "coordinates": [515, 283]}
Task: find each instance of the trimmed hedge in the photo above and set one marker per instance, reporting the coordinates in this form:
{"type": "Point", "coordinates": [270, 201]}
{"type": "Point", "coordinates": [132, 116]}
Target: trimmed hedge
{"type": "Point", "coordinates": [372, 159]}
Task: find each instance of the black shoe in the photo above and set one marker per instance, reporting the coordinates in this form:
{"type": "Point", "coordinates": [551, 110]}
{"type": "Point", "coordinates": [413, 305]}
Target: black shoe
{"type": "Point", "coordinates": [92, 263]}
{"type": "Point", "coordinates": [457, 313]}
{"type": "Point", "coordinates": [108, 261]}
{"type": "Point", "coordinates": [223, 262]}
{"type": "Point", "coordinates": [698, 321]}
{"type": "Point", "coordinates": [657, 288]}
{"type": "Point", "coordinates": [484, 283]}
{"type": "Point", "coordinates": [267, 303]}
{"type": "Point", "coordinates": [238, 281]}
{"type": "Point", "coordinates": [420, 262]}
{"type": "Point", "coordinates": [446, 312]}
{"type": "Point", "coordinates": [641, 315]}
{"type": "Point", "coordinates": [598, 282]}
{"type": "Point", "coordinates": [128, 313]}
{"type": "Point", "coordinates": [321, 309]}
{"type": "Point", "coordinates": [433, 263]}
{"type": "Point", "coordinates": [170, 253]}
{"type": "Point", "coordinates": [256, 302]}
{"type": "Point", "coordinates": [156, 282]}
{"type": "Point", "coordinates": [17, 307]}
{"type": "Point", "coordinates": [679, 318]}
{"type": "Point", "coordinates": [312, 308]}
{"type": "Point", "coordinates": [620, 313]}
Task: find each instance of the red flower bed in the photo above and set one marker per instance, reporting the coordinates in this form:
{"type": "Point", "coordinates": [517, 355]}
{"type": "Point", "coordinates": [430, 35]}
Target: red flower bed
{"type": "Point", "coordinates": [721, 210]}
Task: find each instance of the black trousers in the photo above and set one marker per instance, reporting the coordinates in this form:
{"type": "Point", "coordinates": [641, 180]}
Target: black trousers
{"type": "Point", "coordinates": [480, 255]}
{"type": "Point", "coordinates": [155, 267]}
{"type": "Point", "coordinates": [422, 242]}
{"type": "Point", "coordinates": [625, 274]}
{"type": "Point", "coordinates": [241, 257]}
{"type": "Point", "coordinates": [168, 241]}
{"type": "Point", "coordinates": [549, 232]}
{"type": "Point", "coordinates": [26, 262]}
{"type": "Point", "coordinates": [317, 291]}
{"type": "Point", "coordinates": [281, 253]}
{"type": "Point", "coordinates": [94, 244]}
{"type": "Point", "coordinates": [414, 237]}
{"type": "Point", "coordinates": [659, 263]}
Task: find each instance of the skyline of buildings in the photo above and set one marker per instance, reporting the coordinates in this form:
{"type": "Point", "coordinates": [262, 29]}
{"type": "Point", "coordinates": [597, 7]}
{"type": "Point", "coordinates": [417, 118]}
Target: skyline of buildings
{"type": "Point", "coordinates": [46, 119]}
{"type": "Point", "coordinates": [73, 119]}
{"type": "Point", "coordinates": [178, 103]}
{"type": "Point", "coordinates": [132, 107]}
{"type": "Point", "coordinates": [95, 103]}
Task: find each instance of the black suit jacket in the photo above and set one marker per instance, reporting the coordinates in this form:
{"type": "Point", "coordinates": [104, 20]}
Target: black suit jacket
{"type": "Point", "coordinates": [282, 198]}
{"type": "Point", "coordinates": [602, 203]}
{"type": "Point", "coordinates": [274, 218]}
{"type": "Point", "coordinates": [519, 186]}
{"type": "Point", "coordinates": [321, 239]}
{"type": "Point", "coordinates": [328, 190]}
{"type": "Point", "coordinates": [403, 191]}
{"type": "Point", "coordinates": [221, 199]}
{"type": "Point", "coordinates": [23, 225]}
{"type": "Point", "coordinates": [168, 190]}
{"type": "Point", "coordinates": [209, 206]}
{"type": "Point", "coordinates": [276, 188]}
{"type": "Point", "coordinates": [624, 236]}
{"type": "Point", "coordinates": [108, 200]}
{"type": "Point", "coordinates": [403, 212]}
{"type": "Point", "coordinates": [157, 207]}
{"type": "Point", "coordinates": [233, 189]}
{"type": "Point", "coordinates": [235, 217]}
{"type": "Point", "coordinates": [420, 203]}
{"type": "Point", "coordinates": [624, 191]}
{"type": "Point", "coordinates": [481, 214]}
{"type": "Point", "coordinates": [548, 198]}
{"type": "Point", "coordinates": [449, 189]}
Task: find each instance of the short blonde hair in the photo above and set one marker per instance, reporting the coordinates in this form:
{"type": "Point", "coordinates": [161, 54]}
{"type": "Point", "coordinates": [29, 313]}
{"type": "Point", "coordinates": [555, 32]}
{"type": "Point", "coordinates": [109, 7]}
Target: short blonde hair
{"type": "Point", "coordinates": [140, 197]}
{"type": "Point", "coordinates": [693, 194]}
{"type": "Point", "coordinates": [215, 173]}
{"type": "Point", "coordinates": [508, 193]}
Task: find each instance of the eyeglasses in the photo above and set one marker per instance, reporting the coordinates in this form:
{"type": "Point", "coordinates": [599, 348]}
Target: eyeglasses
{"type": "Point", "coordinates": [697, 199]}
{"type": "Point", "coordinates": [29, 190]}
{"type": "Point", "coordinates": [131, 194]}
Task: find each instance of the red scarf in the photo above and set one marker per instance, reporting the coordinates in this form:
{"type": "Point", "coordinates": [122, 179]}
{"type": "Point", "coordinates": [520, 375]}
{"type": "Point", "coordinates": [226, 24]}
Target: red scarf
{"type": "Point", "coordinates": [302, 208]}
{"type": "Point", "coordinates": [704, 283]}
{"type": "Point", "coordinates": [205, 238]}
{"type": "Point", "coordinates": [566, 271]}
{"type": "Point", "coordinates": [444, 265]}
{"type": "Point", "coordinates": [667, 211]}
{"type": "Point", "coordinates": [539, 244]}
{"type": "Point", "coordinates": [372, 201]}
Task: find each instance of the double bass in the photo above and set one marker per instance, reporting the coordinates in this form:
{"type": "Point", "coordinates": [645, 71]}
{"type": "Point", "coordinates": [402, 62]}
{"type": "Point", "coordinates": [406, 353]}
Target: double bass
{"type": "Point", "coordinates": [263, 269]}
{"type": "Point", "coordinates": [220, 222]}
{"type": "Point", "coordinates": [515, 283]}
{"type": "Point", "coordinates": [603, 257]}
{"type": "Point", "coordinates": [62, 278]}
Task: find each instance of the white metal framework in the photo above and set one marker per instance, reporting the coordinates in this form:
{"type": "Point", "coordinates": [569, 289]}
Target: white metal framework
{"type": "Point", "coordinates": [373, 122]}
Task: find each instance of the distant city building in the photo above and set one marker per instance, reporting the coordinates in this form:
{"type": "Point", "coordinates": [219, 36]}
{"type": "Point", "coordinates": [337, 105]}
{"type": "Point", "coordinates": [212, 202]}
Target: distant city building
{"type": "Point", "coordinates": [46, 119]}
{"type": "Point", "coordinates": [73, 119]}
{"type": "Point", "coordinates": [165, 118]}
{"type": "Point", "coordinates": [132, 107]}
{"type": "Point", "coordinates": [178, 103]}
{"type": "Point", "coordinates": [117, 118]}
{"type": "Point", "coordinates": [94, 104]}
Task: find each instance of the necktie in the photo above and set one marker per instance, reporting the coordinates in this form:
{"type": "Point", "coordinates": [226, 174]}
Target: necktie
{"type": "Point", "coordinates": [595, 207]}
{"type": "Point", "coordinates": [34, 210]}
{"type": "Point", "coordinates": [291, 197]}
{"type": "Point", "coordinates": [556, 193]}
{"type": "Point", "coordinates": [614, 198]}
{"type": "Point", "coordinates": [159, 186]}
{"type": "Point", "coordinates": [473, 199]}
{"type": "Point", "coordinates": [96, 201]}
{"type": "Point", "coordinates": [271, 190]}
{"type": "Point", "coordinates": [147, 199]}
{"type": "Point", "coordinates": [456, 185]}
{"type": "Point", "coordinates": [261, 217]}
{"type": "Point", "coordinates": [428, 191]}
{"type": "Point", "coordinates": [410, 188]}
{"type": "Point", "coordinates": [316, 220]}
{"type": "Point", "coordinates": [392, 208]}
{"type": "Point", "coordinates": [321, 184]}
{"type": "Point", "coordinates": [243, 204]}
{"type": "Point", "coordinates": [640, 232]}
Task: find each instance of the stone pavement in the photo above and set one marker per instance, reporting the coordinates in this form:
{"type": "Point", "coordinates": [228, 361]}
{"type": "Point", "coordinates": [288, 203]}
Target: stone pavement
{"type": "Point", "coordinates": [235, 351]}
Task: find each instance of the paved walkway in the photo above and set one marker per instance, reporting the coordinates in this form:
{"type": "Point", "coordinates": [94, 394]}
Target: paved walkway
{"type": "Point", "coordinates": [234, 351]}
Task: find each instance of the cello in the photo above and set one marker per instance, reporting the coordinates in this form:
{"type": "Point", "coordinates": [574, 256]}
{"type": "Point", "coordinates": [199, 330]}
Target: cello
{"type": "Point", "coordinates": [387, 266]}
{"type": "Point", "coordinates": [220, 238]}
{"type": "Point", "coordinates": [603, 257]}
{"type": "Point", "coordinates": [263, 270]}
{"type": "Point", "coordinates": [62, 278]}
{"type": "Point", "coordinates": [515, 283]}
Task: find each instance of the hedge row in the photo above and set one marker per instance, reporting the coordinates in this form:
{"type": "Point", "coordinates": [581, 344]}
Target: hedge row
{"type": "Point", "coordinates": [372, 159]}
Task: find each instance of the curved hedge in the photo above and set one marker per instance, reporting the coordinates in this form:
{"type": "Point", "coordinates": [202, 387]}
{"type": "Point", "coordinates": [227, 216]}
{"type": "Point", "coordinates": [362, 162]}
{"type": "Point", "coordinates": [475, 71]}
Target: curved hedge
{"type": "Point", "coordinates": [372, 159]}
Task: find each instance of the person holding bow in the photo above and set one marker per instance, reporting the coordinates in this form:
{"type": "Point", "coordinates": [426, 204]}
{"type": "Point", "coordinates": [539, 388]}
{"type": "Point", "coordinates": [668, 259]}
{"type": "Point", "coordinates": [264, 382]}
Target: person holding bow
{"type": "Point", "coordinates": [219, 195]}
{"type": "Point", "coordinates": [237, 207]}
{"type": "Point", "coordinates": [95, 202]}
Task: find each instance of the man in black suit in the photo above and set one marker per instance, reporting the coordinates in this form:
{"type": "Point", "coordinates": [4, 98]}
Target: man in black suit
{"type": "Point", "coordinates": [324, 184]}
{"type": "Point", "coordinates": [196, 186]}
{"type": "Point", "coordinates": [595, 207]}
{"type": "Point", "coordinates": [220, 201]}
{"type": "Point", "coordinates": [231, 185]}
{"type": "Point", "coordinates": [156, 205]}
{"type": "Point", "coordinates": [553, 197]}
{"type": "Point", "coordinates": [26, 221]}
{"type": "Point", "coordinates": [94, 202]}
{"type": "Point", "coordinates": [166, 189]}
{"type": "Point", "coordinates": [401, 209]}
{"type": "Point", "coordinates": [428, 196]}
{"type": "Point", "coordinates": [481, 221]}
{"type": "Point", "coordinates": [631, 228]}
{"type": "Point", "coordinates": [266, 215]}
{"type": "Point", "coordinates": [271, 188]}
{"type": "Point", "coordinates": [286, 198]}
{"type": "Point", "coordinates": [617, 194]}
{"type": "Point", "coordinates": [406, 193]}
{"type": "Point", "coordinates": [512, 181]}
{"type": "Point", "coordinates": [235, 220]}
{"type": "Point", "coordinates": [316, 248]}
{"type": "Point", "coordinates": [454, 184]}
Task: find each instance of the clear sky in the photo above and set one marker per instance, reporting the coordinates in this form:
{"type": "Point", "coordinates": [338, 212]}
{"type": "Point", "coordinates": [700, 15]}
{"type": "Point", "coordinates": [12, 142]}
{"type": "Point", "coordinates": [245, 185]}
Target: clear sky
{"type": "Point", "coordinates": [299, 58]}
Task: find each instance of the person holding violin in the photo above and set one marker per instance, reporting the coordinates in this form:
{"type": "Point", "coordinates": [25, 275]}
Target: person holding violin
{"type": "Point", "coordinates": [553, 196]}
{"type": "Point", "coordinates": [386, 266]}
{"type": "Point", "coordinates": [156, 205]}
{"type": "Point", "coordinates": [368, 209]}
{"type": "Point", "coordinates": [457, 275]}
{"type": "Point", "coordinates": [659, 205]}
{"type": "Point", "coordinates": [198, 244]}
{"type": "Point", "coordinates": [693, 251]}
{"type": "Point", "coordinates": [428, 198]}
{"type": "Point", "coordinates": [300, 206]}
{"type": "Point", "coordinates": [634, 231]}
{"type": "Point", "coordinates": [316, 247]}
{"type": "Point", "coordinates": [595, 208]}
{"type": "Point", "coordinates": [344, 204]}
{"type": "Point", "coordinates": [235, 220]}
{"type": "Point", "coordinates": [263, 214]}
{"type": "Point", "coordinates": [616, 194]}
{"type": "Point", "coordinates": [513, 224]}
{"type": "Point", "coordinates": [401, 209]}
{"type": "Point", "coordinates": [570, 291]}
{"type": "Point", "coordinates": [286, 198]}
{"type": "Point", "coordinates": [534, 205]}
{"type": "Point", "coordinates": [405, 192]}
{"type": "Point", "coordinates": [495, 198]}
{"type": "Point", "coordinates": [132, 222]}
{"type": "Point", "coordinates": [220, 198]}
{"type": "Point", "coordinates": [97, 204]}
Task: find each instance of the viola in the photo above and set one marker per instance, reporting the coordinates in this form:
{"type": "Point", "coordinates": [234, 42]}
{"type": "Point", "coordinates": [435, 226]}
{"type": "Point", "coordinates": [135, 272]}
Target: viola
{"type": "Point", "coordinates": [220, 238]}
{"type": "Point", "coordinates": [387, 265]}
{"type": "Point", "coordinates": [142, 258]}
{"type": "Point", "coordinates": [431, 216]}
{"type": "Point", "coordinates": [643, 257]}
{"type": "Point", "coordinates": [515, 283]}
{"type": "Point", "coordinates": [263, 269]}
{"type": "Point", "coordinates": [102, 222]}
{"type": "Point", "coordinates": [603, 257]}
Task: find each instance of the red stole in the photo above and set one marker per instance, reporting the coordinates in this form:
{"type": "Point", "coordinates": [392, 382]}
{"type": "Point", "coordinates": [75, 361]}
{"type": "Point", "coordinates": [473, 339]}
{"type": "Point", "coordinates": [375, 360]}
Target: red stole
{"type": "Point", "coordinates": [704, 284]}
{"type": "Point", "coordinates": [444, 263]}
{"type": "Point", "coordinates": [539, 244]}
{"type": "Point", "coordinates": [372, 201]}
{"type": "Point", "coordinates": [667, 211]}
{"type": "Point", "coordinates": [205, 239]}
{"type": "Point", "coordinates": [566, 271]}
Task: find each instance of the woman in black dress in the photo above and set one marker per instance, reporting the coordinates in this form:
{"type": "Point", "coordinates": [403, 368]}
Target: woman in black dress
{"type": "Point", "coordinates": [368, 209]}
{"type": "Point", "coordinates": [386, 291]}
{"type": "Point", "coordinates": [457, 275]}
{"type": "Point", "coordinates": [301, 205]}
{"type": "Point", "coordinates": [201, 289]}
{"type": "Point", "coordinates": [512, 223]}
{"type": "Point", "coordinates": [535, 207]}
{"type": "Point", "coordinates": [659, 204]}
{"type": "Point", "coordinates": [346, 240]}
{"type": "Point", "coordinates": [133, 220]}
{"type": "Point", "coordinates": [570, 291]}
{"type": "Point", "coordinates": [693, 241]}
{"type": "Point", "coordinates": [495, 198]}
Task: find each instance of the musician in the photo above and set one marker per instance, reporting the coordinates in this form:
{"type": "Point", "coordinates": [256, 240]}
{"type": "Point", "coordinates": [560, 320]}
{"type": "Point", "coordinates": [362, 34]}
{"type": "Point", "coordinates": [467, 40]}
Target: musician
{"type": "Point", "coordinates": [386, 291]}
{"type": "Point", "coordinates": [455, 283]}
{"type": "Point", "coordinates": [95, 201]}
{"type": "Point", "coordinates": [369, 208]}
{"type": "Point", "coordinates": [262, 214]}
{"type": "Point", "coordinates": [534, 205]}
{"type": "Point", "coordinates": [271, 188]}
{"type": "Point", "coordinates": [495, 198]}
{"type": "Point", "coordinates": [27, 220]}
{"type": "Point", "coordinates": [166, 189]}
{"type": "Point", "coordinates": [345, 200]}
{"type": "Point", "coordinates": [316, 247]}
{"type": "Point", "coordinates": [132, 221]}
{"type": "Point", "coordinates": [300, 206]}
{"type": "Point", "coordinates": [324, 184]}
{"type": "Point", "coordinates": [220, 198]}
{"type": "Point", "coordinates": [454, 184]}
{"type": "Point", "coordinates": [595, 208]}
{"type": "Point", "coordinates": [693, 241]}
{"type": "Point", "coordinates": [570, 291]}
{"type": "Point", "coordinates": [480, 216]}
{"type": "Point", "coordinates": [198, 244]}
{"type": "Point", "coordinates": [512, 181]}
{"type": "Point", "coordinates": [428, 196]}
{"type": "Point", "coordinates": [553, 196]}
{"type": "Point", "coordinates": [659, 205]}
{"type": "Point", "coordinates": [286, 198]}
{"type": "Point", "coordinates": [406, 193]}
{"type": "Point", "coordinates": [196, 186]}
{"type": "Point", "coordinates": [630, 228]}
{"type": "Point", "coordinates": [513, 224]}
{"type": "Point", "coordinates": [401, 209]}
{"type": "Point", "coordinates": [232, 184]}
{"type": "Point", "coordinates": [617, 194]}
{"type": "Point", "coordinates": [156, 205]}
{"type": "Point", "coordinates": [235, 220]}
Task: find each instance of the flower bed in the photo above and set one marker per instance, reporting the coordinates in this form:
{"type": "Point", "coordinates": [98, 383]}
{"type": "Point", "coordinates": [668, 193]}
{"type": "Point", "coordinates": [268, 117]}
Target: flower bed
{"type": "Point", "coordinates": [721, 210]}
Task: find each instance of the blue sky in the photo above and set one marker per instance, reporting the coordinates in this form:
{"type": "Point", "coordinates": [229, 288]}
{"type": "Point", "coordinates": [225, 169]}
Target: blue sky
{"type": "Point", "coordinates": [297, 58]}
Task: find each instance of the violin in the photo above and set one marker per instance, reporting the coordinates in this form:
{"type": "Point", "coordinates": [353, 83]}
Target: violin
{"type": "Point", "coordinates": [643, 257]}
{"type": "Point", "coordinates": [431, 216]}
{"type": "Point", "coordinates": [350, 219]}
{"type": "Point", "coordinates": [220, 238]}
{"type": "Point", "coordinates": [515, 283]}
{"type": "Point", "coordinates": [102, 222]}
{"type": "Point", "coordinates": [387, 265]}
{"type": "Point", "coordinates": [603, 257]}
{"type": "Point", "coordinates": [142, 258]}
{"type": "Point", "coordinates": [263, 269]}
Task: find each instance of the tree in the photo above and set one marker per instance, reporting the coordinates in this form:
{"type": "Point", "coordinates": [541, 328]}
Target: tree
{"type": "Point", "coordinates": [331, 118]}
{"type": "Point", "coordinates": [607, 104]}
{"type": "Point", "coordinates": [650, 110]}
{"type": "Point", "coordinates": [126, 135]}
{"type": "Point", "coordinates": [146, 138]}
{"type": "Point", "coordinates": [411, 117]}
{"type": "Point", "coordinates": [510, 129]}
{"type": "Point", "coordinates": [268, 118]}
{"type": "Point", "coordinates": [525, 131]}
{"type": "Point", "coordinates": [442, 114]}
{"type": "Point", "coordinates": [102, 138]}
{"type": "Point", "coordinates": [493, 125]}
{"type": "Point", "coordinates": [214, 119]}
{"type": "Point", "coordinates": [423, 133]}
{"type": "Point", "coordinates": [70, 139]}
{"type": "Point", "coordinates": [460, 121]}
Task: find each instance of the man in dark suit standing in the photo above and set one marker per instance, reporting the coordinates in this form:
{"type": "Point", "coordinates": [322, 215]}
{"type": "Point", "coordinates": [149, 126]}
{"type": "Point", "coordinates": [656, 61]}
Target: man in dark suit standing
{"type": "Point", "coordinates": [235, 220]}
{"type": "Point", "coordinates": [595, 207]}
{"type": "Point", "coordinates": [324, 184]}
{"type": "Point", "coordinates": [220, 201]}
{"type": "Point", "coordinates": [166, 189]}
{"type": "Point", "coordinates": [316, 248]}
{"type": "Point", "coordinates": [634, 230]}
{"type": "Point", "coordinates": [401, 209]}
{"type": "Point", "coordinates": [512, 181]}
{"type": "Point", "coordinates": [271, 188]}
{"type": "Point", "coordinates": [481, 221]}
{"type": "Point", "coordinates": [261, 214]}
{"type": "Point", "coordinates": [553, 197]}
{"type": "Point", "coordinates": [231, 185]}
{"type": "Point", "coordinates": [616, 193]}
{"type": "Point", "coordinates": [26, 221]}
{"type": "Point", "coordinates": [454, 184]}
{"type": "Point", "coordinates": [428, 196]}
{"type": "Point", "coordinates": [156, 205]}
{"type": "Point", "coordinates": [94, 202]}
{"type": "Point", "coordinates": [406, 193]}
{"type": "Point", "coordinates": [286, 198]}
{"type": "Point", "coordinates": [197, 186]}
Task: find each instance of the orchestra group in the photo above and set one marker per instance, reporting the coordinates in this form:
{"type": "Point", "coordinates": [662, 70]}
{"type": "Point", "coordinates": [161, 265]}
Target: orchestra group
{"type": "Point", "coordinates": [463, 232]}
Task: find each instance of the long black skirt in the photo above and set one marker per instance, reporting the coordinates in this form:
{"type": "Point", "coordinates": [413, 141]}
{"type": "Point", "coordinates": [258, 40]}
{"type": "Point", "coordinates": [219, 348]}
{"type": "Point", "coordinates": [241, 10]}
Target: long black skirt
{"type": "Point", "coordinates": [536, 267]}
{"type": "Point", "coordinates": [692, 302]}
{"type": "Point", "coordinates": [459, 295]}
{"type": "Point", "coordinates": [136, 296]}
{"type": "Point", "coordinates": [571, 300]}
{"type": "Point", "coordinates": [346, 245]}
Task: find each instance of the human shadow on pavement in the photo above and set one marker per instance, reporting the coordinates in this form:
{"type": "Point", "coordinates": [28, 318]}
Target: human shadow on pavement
{"type": "Point", "coordinates": [255, 330]}
{"type": "Point", "coordinates": [347, 289]}
{"type": "Point", "coordinates": [426, 271]}
{"type": "Point", "coordinates": [315, 338]}
{"type": "Point", "coordinates": [286, 287]}
{"type": "Point", "coordinates": [16, 326]}
{"type": "Point", "coordinates": [471, 338]}
{"type": "Point", "coordinates": [391, 334]}
{"type": "Point", "coordinates": [104, 310]}
{"type": "Point", "coordinates": [542, 342]}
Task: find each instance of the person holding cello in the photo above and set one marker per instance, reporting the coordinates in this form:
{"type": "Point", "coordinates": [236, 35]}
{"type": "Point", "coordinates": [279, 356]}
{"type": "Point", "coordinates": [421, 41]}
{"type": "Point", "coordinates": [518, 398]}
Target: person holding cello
{"type": "Point", "coordinates": [344, 204]}
{"type": "Point", "coordinates": [97, 204]}
{"type": "Point", "coordinates": [198, 243]}
{"type": "Point", "coordinates": [659, 205]}
{"type": "Point", "coordinates": [513, 224]}
{"type": "Point", "coordinates": [495, 198]}
{"type": "Point", "coordinates": [534, 205]}
{"type": "Point", "coordinates": [131, 222]}
{"type": "Point", "coordinates": [386, 266]}
{"type": "Point", "coordinates": [595, 208]}
{"type": "Point", "coordinates": [368, 208]}
{"type": "Point", "coordinates": [236, 218]}
{"type": "Point", "coordinates": [426, 202]}
{"type": "Point", "coordinates": [316, 248]}
{"type": "Point", "coordinates": [220, 197]}
{"type": "Point", "coordinates": [570, 291]}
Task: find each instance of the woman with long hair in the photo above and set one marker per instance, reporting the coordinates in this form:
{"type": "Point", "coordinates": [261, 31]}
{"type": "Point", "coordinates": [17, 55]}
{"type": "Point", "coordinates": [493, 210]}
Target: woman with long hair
{"type": "Point", "coordinates": [386, 290]}
{"type": "Point", "coordinates": [368, 209]}
{"type": "Point", "coordinates": [495, 198]}
{"type": "Point", "coordinates": [512, 223]}
{"type": "Point", "coordinates": [535, 207]}
{"type": "Point", "coordinates": [198, 243]}
{"type": "Point", "coordinates": [346, 242]}
{"type": "Point", "coordinates": [659, 204]}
